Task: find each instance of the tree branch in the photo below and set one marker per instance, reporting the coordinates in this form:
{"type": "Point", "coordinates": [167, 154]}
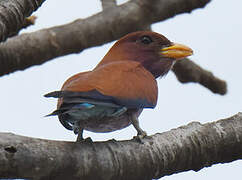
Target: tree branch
{"type": "Point", "coordinates": [29, 21]}
{"type": "Point", "coordinates": [106, 4]}
{"type": "Point", "coordinates": [46, 44]}
{"type": "Point", "coordinates": [43, 45]}
{"type": "Point", "coordinates": [187, 71]}
{"type": "Point", "coordinates": [13, 14]}
{"type": "Point", "coordinates": [190, 147]}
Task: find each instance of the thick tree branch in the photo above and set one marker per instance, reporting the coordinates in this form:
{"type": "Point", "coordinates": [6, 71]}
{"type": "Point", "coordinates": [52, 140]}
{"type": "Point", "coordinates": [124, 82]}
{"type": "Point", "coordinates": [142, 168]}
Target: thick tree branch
{"type": "Point", "coordinates": [29, 21]}
{"type": "Point", "coordinates": [190, 147]}
{"type": "Point", "coordinates": [44, 45]}
{"type": "Point", "coordinates": [13, 14]}
{"type": "Point", "coordinates": [108, 4]}
{"type": "Point", "coordinates": [187, 71]}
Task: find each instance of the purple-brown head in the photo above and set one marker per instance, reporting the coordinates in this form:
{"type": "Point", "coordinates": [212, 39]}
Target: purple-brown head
{"type": "Point", "coordinates": [154, 51]}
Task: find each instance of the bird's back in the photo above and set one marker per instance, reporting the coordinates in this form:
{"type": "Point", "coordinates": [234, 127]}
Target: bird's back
{"type": "Point", "coordinates": [102, 100]}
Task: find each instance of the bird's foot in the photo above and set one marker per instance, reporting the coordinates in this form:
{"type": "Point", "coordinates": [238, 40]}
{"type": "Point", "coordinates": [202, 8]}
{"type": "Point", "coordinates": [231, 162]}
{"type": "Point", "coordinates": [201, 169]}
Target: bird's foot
{"type": "Point", "coordinates": [140, 137]}
{"type": "Point", "coordinates": [112, 140]}
{"type": "Point", "coordinates": [82, 140]}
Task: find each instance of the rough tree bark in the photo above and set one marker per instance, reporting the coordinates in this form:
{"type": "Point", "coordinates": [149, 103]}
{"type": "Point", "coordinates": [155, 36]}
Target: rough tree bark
{"type": "Point", "coordinates": [106, 4]}
{"type": "Point", "coordinates": [13, 15]}
{"type": "Point", "coordinates": [190, 147]}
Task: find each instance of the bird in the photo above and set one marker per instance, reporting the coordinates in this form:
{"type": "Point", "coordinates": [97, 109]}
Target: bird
{"type": "Point", "coordinates": [112, 95]}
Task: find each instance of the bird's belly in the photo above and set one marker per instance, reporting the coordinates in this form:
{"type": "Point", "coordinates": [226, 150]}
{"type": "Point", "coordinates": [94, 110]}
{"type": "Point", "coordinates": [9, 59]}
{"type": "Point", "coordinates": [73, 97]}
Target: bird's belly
{"type": "Point", "coordinates": [106, 124]}
{"type": "Point", "coordinates": [99, 120]}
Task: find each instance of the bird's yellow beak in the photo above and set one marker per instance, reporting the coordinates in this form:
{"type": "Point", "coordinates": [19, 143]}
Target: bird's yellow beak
{"type": "Point", "coordinates": [176, 51]}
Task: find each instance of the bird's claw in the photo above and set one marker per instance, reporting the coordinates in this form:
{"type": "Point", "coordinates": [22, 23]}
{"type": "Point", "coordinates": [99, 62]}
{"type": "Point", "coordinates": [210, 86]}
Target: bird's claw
{"type": "Point", "coordinates": [140, 137]}
{"type": "Point", "coordinates": [112, 140]}
{"type": "Point", "coordinates": [87, 140]}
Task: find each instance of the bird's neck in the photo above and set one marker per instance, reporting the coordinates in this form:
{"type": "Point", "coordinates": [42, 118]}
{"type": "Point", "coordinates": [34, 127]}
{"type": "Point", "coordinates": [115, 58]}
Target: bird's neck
{"type": "Point", "coordinates": [150, 61]}
{"type": "Point", "coordinates": [158, 68]}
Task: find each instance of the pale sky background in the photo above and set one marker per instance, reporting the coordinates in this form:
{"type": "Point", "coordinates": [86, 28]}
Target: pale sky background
{"type": "Point", "coordinates": [214, 33]}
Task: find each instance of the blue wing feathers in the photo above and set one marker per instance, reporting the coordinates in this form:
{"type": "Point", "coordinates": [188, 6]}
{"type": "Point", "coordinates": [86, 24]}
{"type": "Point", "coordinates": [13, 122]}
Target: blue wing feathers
{"type": "Point", "coordinates": [82, 106]}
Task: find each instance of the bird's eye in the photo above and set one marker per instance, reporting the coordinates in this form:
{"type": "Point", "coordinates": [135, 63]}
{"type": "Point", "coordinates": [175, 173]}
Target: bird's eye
{"type": "Point", "coordinates": [146, 39]}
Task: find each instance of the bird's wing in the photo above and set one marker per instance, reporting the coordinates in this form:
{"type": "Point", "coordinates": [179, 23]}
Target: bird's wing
{"type": "Point", "coordinates": [125, 83]}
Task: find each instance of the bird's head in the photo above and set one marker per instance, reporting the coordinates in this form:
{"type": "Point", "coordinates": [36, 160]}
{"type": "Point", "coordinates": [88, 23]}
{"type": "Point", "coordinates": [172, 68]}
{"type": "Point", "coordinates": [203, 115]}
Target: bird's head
{"type": "Point", "coordinates": [154, 51]}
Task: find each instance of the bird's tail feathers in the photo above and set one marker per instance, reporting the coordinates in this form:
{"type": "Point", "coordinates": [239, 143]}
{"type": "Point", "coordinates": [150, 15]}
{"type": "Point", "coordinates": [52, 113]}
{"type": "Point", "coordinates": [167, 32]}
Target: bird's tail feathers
{"type": "Point", "coordinates": [54, 113]}
{"type": "Point", "coordinates": [55, 94]}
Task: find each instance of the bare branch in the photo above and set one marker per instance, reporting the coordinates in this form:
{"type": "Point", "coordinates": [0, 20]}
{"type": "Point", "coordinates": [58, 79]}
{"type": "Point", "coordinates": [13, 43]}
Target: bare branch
{"type": "Point", "coordinates": [29, 21]}
{"type": "Point", "coordinates": [188, 71]}
{"type": "Point", "coordinates": [44, 45]}
{"type": "Point", "coordinates": [190, 147]}
{"type": "Point", "coordinates": [13, 14]}
{"type": "Point", "coordinates": [108, 4]}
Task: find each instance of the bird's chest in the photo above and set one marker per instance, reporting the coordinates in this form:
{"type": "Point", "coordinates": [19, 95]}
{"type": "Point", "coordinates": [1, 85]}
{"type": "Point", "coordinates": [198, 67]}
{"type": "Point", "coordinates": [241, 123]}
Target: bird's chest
{"type": "Point", "coordinates": [102, 119]}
